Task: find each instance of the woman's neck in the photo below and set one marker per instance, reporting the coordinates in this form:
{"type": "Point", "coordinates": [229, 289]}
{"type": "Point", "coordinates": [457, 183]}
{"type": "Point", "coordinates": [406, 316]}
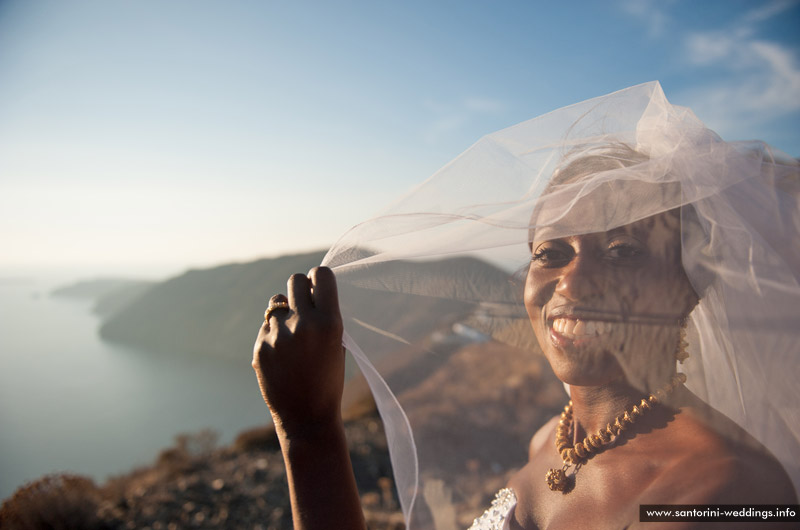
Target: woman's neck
{"type": "Point", "coordinates": [594, 407]}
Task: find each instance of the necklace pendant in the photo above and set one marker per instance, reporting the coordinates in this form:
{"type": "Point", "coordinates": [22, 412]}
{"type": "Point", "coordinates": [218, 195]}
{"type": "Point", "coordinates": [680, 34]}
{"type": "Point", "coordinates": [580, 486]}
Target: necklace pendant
{"type": "Point", "coordinates": [556, 480]}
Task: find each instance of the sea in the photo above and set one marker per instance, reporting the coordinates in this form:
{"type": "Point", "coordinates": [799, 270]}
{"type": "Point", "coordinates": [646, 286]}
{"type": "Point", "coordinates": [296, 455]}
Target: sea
{"type": "Point", "coordinates": [72, 403]}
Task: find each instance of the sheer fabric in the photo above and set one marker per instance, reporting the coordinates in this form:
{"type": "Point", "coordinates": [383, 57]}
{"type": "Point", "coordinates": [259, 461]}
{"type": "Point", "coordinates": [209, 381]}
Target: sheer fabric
{"type": "Point", "coordinates": [431, 289]}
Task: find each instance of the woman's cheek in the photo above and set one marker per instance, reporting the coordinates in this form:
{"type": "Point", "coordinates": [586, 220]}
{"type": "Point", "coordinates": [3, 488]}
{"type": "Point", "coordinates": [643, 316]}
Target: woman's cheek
{"type": "Point", "coordinates": [537, 287]}
{"type": "Point", "coordinates": [533, 297]}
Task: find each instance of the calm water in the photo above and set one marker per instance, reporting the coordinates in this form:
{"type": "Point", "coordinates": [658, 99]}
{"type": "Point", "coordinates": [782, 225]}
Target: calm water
{"type": "Point", "coordinates": [70, 402]}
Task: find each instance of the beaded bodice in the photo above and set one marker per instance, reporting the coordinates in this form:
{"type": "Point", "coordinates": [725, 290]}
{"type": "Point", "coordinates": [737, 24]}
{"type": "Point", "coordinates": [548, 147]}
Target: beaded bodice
{"type": "Point", "coordinates": [495, 517]}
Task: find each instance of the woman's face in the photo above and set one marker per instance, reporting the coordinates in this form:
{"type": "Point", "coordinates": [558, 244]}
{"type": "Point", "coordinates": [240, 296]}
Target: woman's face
{"type": "Point", "coordinates": [608, 305]}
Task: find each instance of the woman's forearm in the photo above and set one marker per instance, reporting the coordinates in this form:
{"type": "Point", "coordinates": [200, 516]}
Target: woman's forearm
{"type": "Point", "coordinates": [322, 487]}
{"type": "Point", "coordinates": [299, 360]}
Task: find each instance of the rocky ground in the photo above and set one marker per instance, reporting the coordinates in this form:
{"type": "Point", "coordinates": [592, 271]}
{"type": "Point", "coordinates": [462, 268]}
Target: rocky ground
{"type": "Point", "coordinates": [195, 485]}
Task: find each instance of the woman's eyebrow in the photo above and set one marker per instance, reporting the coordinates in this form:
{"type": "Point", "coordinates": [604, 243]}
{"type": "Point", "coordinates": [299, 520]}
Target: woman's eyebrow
{"type": "Point", "coordinates": [620, 230]}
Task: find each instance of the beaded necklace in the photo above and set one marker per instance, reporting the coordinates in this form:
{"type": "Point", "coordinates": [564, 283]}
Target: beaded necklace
{"type": "Point", "coordinates": [557, 479]}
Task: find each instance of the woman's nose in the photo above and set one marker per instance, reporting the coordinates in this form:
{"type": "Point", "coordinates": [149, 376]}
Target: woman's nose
{"type": "Point", "coordinates": [580, 280]}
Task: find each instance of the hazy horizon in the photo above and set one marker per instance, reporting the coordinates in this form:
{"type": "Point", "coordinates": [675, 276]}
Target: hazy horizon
{"type": "Point", "coordinates": [56, 275]}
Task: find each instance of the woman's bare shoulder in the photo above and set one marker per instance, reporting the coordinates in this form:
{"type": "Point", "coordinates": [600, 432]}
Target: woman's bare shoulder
{"type": "Point", "coordinates": [740, 475]}
{"type": "Point", "coordinates": [720, 463]}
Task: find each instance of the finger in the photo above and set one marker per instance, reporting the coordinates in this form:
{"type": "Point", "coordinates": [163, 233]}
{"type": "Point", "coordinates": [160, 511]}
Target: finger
{"type": "Point", "coordinates": [325, 292]}
{"type": "Point", "coordinates": [262, 347]}
{"type": "Point", "coordinates": [299, 289]}
{"type": "Point", "coordinates": [272, 311]}
{"type": "Point", "coordinates": [278, 299]}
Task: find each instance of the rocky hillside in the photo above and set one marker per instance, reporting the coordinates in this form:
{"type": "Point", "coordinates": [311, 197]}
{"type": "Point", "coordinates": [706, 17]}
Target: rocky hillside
{"type": "Point", "coordinates": [213, 311]}
{"type": "Point", "coordinates": [196, 485]}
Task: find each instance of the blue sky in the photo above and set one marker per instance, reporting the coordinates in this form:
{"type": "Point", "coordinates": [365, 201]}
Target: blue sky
{"type": "Point", "coordinates": [145, 137]}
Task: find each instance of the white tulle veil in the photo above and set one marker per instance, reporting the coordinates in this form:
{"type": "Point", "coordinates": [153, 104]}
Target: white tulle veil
{"type": "Point", "coordinates": [431, 291]}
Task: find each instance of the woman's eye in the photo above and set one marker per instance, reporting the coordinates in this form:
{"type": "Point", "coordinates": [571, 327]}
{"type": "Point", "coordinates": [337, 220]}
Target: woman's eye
{"type": "Point", "coordinates": [624, 251]}
{"type": "Point", "coordinates": [549, 255]}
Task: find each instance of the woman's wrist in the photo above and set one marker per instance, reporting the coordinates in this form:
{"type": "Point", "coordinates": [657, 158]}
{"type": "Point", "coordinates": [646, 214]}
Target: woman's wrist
{"type": "Point", "coordinates": [309, 430]}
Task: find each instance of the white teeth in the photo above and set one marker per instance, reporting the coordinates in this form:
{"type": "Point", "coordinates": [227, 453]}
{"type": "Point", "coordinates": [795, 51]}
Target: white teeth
{"type": "Point", "coordinates": [573, 328]}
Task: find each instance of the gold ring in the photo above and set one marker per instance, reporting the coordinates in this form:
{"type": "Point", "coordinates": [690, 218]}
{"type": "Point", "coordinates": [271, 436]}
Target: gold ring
{"type": "Point", "coordinates": [272, 307]}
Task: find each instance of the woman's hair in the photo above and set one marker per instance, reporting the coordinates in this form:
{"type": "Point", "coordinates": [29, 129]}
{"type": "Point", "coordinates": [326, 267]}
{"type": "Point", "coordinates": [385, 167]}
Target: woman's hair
{"type": "Point", "coordinates": [584, 161]}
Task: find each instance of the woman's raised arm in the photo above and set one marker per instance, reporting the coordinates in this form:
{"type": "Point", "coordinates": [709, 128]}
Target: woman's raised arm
{"type": "Point", "coordinates": [299, 360]}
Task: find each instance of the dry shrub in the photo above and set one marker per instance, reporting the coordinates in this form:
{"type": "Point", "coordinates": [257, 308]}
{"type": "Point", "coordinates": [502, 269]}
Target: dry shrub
{"type": "Point", "coordinates": [54, 502]}
{"type": "Point", "coordinates": [257, 439]}
{"type": "Point", "coordinates": [200, 443]}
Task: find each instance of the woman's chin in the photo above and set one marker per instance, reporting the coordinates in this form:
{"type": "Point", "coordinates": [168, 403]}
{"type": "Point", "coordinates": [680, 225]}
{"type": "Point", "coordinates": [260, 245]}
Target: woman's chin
{"type": "Point", "coordinates": [576, 379]}
{"type": "Point", "coordinates": [582, 361]}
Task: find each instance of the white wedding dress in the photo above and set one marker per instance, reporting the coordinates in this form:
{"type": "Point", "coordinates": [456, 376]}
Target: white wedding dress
{"type": "Point", "coordinates": [499, 514]}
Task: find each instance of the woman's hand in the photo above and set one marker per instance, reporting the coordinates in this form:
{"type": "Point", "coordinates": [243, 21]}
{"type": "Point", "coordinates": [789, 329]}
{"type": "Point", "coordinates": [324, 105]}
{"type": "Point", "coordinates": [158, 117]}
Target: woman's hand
{"type": "Point", "coordinates": [299, 358]}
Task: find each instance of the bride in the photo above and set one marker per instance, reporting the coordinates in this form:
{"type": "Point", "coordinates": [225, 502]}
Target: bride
{"type": "Point", "coordinates": [653, 245]}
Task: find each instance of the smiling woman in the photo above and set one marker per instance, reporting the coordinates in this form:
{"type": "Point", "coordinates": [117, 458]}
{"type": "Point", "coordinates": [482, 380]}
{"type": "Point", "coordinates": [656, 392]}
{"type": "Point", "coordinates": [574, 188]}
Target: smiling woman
{"type": "Point", "coordinates": [662, 289]}
{"type": "Point", "coordinates": [609, 310]}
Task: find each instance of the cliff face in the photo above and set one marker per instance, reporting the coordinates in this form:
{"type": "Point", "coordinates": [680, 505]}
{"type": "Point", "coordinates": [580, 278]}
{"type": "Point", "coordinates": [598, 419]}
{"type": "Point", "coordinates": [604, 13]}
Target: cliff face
{"type": "Point", "coordinates": [209, 312]}
{"type": "Point", "coordinates": [218, 311]}
{"type": "Point", "coordinates": [487, 399]}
